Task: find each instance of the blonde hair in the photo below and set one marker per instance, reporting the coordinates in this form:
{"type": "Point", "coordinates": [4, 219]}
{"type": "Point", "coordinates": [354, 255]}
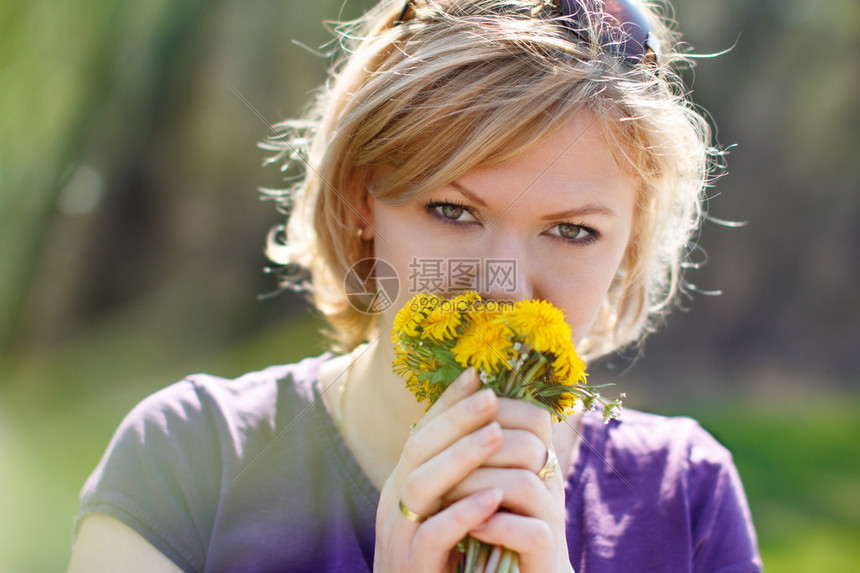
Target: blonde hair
{"type": "Point", "coordinates": [467, 83]}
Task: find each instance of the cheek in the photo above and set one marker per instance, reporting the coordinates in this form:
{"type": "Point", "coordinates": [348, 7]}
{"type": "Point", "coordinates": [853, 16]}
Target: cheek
{"type": "Point", "coordinates": [582, 298]}
{"type": "Point", "coordinates": [402, 239]}
{"type": "Point", "coordinates": [582, 304]}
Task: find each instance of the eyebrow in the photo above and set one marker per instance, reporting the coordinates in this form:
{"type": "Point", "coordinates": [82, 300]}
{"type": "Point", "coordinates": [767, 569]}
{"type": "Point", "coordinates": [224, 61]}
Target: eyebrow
{"type": "Point", "coordinates": [467, 193]}
{"type": "Point", "coordinates": [592, 209]}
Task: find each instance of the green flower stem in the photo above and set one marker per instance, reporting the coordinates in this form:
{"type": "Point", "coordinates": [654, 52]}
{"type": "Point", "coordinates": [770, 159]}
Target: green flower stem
{"type": "Point", "coordinates": [506, 561]}
{"type": "Point", "coordinates": [532, 372]}
{"type": "Point", "coordinates": [473, 547]}
{"type": "Point", "coordinates": [423, 351]}
{"type": "Point", "coordinates": [509, 383]}
{"type": "Point", "coordinates": [483, 556]}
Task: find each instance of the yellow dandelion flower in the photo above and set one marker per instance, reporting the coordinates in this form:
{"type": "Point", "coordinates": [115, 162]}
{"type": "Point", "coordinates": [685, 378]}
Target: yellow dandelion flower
{"type": "Point", "coordinates": [481, 311]}
{"type": "Point", "coordinates": [409, 318]}
{"type": "Point", "coordinates": [411, 362]}
{"type": "Point", "coordinates": [399, 365]}
{"type": "Point", "coordinates": [465, 300]}
{"type": "Point", "coordinates": [541, 323]}
{"type": "Point", "coordinates": [565, 405]}
{"type": "Point", "coordinates": [486, 346]}
{"type": "Point", "coordinates": [441, 323]}
{"type": "Point", "coordinates": [413, 383]}
{"type": "Point", "coordinates": [434, 391]}
{"type": "Point", "coordinates": [569, 367]}
{"type": "Point", "coordinates": [478, 317]}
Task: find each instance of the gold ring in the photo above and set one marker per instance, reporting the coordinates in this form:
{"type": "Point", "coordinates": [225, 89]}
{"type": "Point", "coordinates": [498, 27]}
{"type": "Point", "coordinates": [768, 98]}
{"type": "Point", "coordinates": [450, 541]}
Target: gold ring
{"type": "Point", "coordinates": [411, 515]}
{"type": "Point", "coordinates": [550, 466]}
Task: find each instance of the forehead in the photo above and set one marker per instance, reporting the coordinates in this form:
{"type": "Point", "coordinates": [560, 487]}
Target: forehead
{"type": "Point", "coordinates": [576, 163]}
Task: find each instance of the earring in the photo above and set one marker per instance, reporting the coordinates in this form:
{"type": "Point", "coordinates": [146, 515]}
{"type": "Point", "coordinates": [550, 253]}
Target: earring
{"type": "Point", "coordinates": [360, 233]}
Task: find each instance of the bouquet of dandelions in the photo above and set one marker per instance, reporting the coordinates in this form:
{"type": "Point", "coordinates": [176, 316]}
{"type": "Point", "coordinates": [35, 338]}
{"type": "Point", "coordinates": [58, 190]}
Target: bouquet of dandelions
{"type": "Point", "coordinates": [520, 350]}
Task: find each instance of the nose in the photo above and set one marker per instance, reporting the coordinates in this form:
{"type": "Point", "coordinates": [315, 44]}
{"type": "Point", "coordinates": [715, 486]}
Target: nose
{"type": "Point", "coordinates": [505, 273]}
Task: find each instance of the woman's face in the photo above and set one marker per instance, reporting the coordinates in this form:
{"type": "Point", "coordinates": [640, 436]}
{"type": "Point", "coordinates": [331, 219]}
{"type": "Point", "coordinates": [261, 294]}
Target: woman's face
{"type": "Point", "coordinates": [552, 223]}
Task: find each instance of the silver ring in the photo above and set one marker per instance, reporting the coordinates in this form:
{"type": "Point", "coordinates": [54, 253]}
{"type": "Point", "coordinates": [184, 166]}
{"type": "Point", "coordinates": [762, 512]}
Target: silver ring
{"type": "Point", "coordinates": [550, 466]}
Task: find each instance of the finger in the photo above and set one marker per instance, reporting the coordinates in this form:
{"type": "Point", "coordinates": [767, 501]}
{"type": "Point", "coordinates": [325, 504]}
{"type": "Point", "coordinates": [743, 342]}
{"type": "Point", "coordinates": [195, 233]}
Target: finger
{"type": "Point", "coordinates": [525, 535]}
{"type": "Point", "coordinates": [519, 414]}
{"type": "Point", "coordinates": [439, 534]}
{"type": "Point", "coordinates": [465, 384]}
{"type": "Point", "coordinates": [463, 417]}
{"type": "Point", "coordinates": [525, 493]}
{"type": "Point", "coordinates": [425, 486]}
{"type": "Point", "coordinates": [519, 449]}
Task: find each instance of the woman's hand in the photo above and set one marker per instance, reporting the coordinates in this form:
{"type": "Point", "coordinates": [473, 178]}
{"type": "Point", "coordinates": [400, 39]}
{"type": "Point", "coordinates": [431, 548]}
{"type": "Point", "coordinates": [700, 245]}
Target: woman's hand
{"type": "Point", "coordinates": [455, 437]}
{"type": "Point", "coordinates": [534, 525]}
{"type": "Point", "coordinates": [470, 455]}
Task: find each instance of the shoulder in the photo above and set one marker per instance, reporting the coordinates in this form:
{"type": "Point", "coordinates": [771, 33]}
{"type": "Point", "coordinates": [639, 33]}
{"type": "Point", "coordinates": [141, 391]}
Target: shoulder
{"type": "Point", "coordinates": [166, 467]}
{"type": "Point", "coordinates": [659, 454]}
{"type": "Point", "coordinates": [671, 463]}
{"type": "Point", "coordinates": [642, 436]}
{"type": "Point", "coordinates": [202, 400]}
{"type": "Point", "coordinates": [207, 423]}
{"type": "Point", "coordinates": [673, 470]}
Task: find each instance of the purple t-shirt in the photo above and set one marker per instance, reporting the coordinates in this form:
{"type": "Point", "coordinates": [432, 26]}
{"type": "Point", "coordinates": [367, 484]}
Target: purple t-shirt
{"type": "Point", "coordinates": [252, 475]}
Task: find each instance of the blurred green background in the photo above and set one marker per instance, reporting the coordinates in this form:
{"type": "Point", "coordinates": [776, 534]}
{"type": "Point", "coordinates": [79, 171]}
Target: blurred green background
{"type": "Point", "coordinates": [131, 235]}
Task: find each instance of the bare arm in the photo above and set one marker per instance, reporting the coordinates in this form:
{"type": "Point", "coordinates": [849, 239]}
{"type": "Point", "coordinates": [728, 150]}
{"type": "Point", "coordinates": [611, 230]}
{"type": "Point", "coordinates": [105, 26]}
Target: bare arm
{"type": "Point", "coordinates": [106, 544]}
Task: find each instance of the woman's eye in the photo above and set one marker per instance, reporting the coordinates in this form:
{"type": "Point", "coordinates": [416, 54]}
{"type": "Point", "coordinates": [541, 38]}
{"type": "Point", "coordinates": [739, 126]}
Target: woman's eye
{"type": "Point", "coordinates": [572, 232]}
{"type": "Point", "coordinates": [453, 212]}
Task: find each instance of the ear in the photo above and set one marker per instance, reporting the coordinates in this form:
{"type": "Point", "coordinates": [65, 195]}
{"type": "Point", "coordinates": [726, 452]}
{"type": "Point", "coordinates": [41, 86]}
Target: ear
{"type": "Point", "coordinates": [362, 202]}
{"type": "Point", "coordinates": [365, 209]}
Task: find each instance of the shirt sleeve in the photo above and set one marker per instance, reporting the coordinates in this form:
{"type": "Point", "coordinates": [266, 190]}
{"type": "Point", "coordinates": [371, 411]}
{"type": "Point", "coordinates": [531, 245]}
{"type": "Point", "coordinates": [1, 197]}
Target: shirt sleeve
{"type": "Point", "coordinates": [161, 475]}
{"type": "Point", "coordinates": [724, 539]}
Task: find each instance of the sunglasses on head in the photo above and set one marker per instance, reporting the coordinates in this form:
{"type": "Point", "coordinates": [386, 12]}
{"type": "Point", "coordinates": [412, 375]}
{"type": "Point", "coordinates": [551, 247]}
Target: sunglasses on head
{"type": "Point", "coordinates": [627, 33]}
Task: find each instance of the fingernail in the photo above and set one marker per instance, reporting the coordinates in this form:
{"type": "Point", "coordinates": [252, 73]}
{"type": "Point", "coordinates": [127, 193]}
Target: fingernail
{"type": "Point", "coordinates": [488, 434]}
{"type": "Point", "coordinates": [490, 498]}
{"type": "Point", "coordinates": [466, 376]}
{"type": "Point", "coordinates": [483, 400]}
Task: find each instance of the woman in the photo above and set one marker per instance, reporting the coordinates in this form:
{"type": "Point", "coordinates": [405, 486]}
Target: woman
{"type": "Point", "coordinates": [547, 139]}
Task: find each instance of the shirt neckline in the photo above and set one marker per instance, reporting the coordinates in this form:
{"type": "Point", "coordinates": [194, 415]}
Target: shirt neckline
{"type": "Point", "coordinates": [354, 475]}
{"type": "Point", "coordinates": [340, 453]}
